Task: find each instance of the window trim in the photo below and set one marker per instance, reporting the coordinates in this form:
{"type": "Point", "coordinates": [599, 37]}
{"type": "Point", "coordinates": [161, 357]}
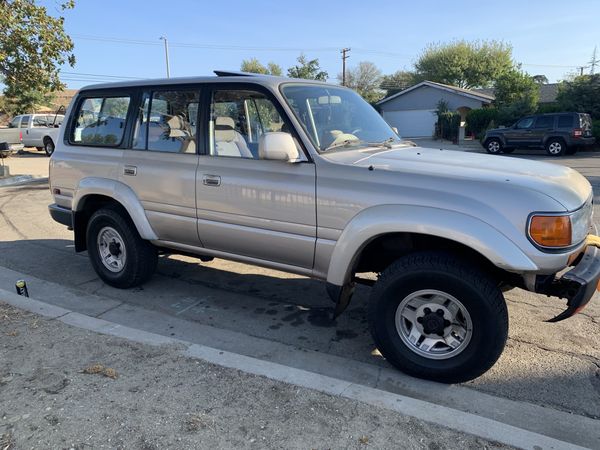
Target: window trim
{"type": "Point", "coordinates": [105, 93]}
{"type": "Point", "coordinates": [241, 86]}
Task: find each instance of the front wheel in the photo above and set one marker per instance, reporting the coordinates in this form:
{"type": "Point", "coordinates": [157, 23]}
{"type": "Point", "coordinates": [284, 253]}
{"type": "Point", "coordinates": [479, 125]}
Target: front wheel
{"type": "Point", "coordinates": [120, 257]}
{"type": "Point", "coordinates": [493, 146]}
{"type": "Point", "coordinates": [436, 317]}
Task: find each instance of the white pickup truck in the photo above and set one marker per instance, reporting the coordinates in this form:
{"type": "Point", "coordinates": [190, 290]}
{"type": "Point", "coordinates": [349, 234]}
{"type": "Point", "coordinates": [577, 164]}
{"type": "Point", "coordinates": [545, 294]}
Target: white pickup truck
{"type": "Point", "coordinates": [32, 130]}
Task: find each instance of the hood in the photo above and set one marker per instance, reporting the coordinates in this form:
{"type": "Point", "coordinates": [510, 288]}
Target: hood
{"type": "Point", "coordinates": [563, 184]}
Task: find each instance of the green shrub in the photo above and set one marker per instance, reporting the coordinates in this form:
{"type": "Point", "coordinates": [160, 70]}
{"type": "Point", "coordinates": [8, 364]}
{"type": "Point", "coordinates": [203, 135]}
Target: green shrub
{"type": "Point", "coordinates": [448, 122]}
{"type": "Point", "coordinates": [596, 130]}
{"type": "Point", "coordinates": [479, 120]}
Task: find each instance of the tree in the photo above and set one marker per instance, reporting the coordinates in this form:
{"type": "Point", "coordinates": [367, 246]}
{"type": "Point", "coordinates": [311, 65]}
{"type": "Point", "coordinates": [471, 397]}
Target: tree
{"type": "Point", "coordinates": [465, 64]}
{"type": "Point", "coordinates": [307, 69]}
{"type": "Point", "coordinates": [517, 94]}
{"type": "Point", "coordinates": [582, 94]}
{"type": "Point", "coordinates": [540, 79]}
{"type": "Point", "coordinates": [398, 81]}
{"type": "Point", "coordinates": [253, 65]}
{"type": "Point", "coordinates": [33, 46]}
{"type": "Point", "coordinates": [24, 101]}
{"type": "Point", "coordinates": [364, 79]}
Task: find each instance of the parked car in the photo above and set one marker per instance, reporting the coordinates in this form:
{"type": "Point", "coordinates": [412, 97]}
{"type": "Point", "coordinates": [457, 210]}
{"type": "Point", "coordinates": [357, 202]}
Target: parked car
{"type": "Point", "coordinates": [306, 177]}
{"type": "Point", "coordinates": [558, 133]}
{"type": "Point", "coordinates": [40, 131]}
{"type": "Point", "coordinates": [12, 136]}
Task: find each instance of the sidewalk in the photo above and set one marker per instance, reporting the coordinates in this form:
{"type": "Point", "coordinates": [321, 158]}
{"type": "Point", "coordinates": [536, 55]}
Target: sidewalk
{"type": "Point", "coordinates": [151, 397]}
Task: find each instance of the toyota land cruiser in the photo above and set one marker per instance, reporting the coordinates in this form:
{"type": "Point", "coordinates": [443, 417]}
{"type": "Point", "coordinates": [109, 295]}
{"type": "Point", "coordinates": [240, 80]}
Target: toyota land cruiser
{"type": "Point", "coordinates": [306, 177]}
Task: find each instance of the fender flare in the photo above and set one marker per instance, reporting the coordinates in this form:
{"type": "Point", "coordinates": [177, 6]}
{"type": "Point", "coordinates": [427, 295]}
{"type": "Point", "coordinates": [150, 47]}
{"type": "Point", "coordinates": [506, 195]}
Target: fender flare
{"type": "Point", "coordinates": [119, 192]}
{"type": "Point", "coordinates": [468, 230]}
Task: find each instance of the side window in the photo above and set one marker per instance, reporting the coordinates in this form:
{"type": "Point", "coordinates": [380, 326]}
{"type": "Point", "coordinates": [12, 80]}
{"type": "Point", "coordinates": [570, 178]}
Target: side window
{"type": "Point", "coordinates": [525, 123]}
{"type": "Point", "coordinates": [167, 122]}
{"type": "Point", "coordinates": [238, 119]}
{"type": "Point", "coordinates": [565, 121]}
{"type": "Point", "coordinates": [24, 121]}
{"type": "Point", "coordinates": [40, 121]}
{"type": "Point", "coordinates": [15, 122]}
{"type": "Point", "coordinates": [100, 121]}
{"type": "Point", "coordinates": [544, 122]}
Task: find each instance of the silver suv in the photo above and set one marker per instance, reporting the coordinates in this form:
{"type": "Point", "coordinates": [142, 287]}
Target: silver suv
{"type": "Point", "coordinates": [307, 178]}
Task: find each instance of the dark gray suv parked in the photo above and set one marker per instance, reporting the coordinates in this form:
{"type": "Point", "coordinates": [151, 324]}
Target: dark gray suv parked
{"type": "Point", "coordinates": [558, 133]}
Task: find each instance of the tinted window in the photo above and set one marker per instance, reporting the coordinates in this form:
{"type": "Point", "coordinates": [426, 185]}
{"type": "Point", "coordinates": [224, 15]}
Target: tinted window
{"type": "Point", "coordinates": [167, 122]}
{"type": "Point", "coordinates": [238, 119]}
{"type": "Point", "coordinates": [100, 121]}
{"type": "Point", "coordinates": [544, 122]}
{"type": "Point", "coordinates": [15, 122]}
{"type": "Point", "coordinates": [24, 122]}
{"type": "Point", "coordinates": [525, 123]}
{"type": "Point", "coordinates": [565, 121]}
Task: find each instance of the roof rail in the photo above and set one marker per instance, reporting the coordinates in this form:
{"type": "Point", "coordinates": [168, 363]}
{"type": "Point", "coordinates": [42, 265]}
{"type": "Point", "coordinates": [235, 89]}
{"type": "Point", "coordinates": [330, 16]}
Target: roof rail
{"type": "Point", "coordinates": [227, 73]}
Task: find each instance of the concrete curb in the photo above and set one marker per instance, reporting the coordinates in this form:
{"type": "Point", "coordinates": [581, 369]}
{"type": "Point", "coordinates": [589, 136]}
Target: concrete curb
{"type": "Point", "coordinates": [419, 409]}
{"type": "Point", "coordinates": [18, 180]}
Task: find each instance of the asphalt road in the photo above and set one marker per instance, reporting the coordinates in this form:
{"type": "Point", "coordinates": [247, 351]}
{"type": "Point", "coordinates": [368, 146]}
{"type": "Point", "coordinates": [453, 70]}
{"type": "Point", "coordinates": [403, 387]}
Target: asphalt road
{"type": "Point", "coordinates": [545, 371]}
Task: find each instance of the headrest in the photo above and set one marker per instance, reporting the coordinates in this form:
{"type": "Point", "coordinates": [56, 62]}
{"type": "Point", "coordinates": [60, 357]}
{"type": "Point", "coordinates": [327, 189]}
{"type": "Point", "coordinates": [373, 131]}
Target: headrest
{"type": "Point", "coordinates": [224, 129]}
{"type": "Point", "coordinates": [175, 123]}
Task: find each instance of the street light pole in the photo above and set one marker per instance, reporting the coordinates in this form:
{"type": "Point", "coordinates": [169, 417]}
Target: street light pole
{"type": "Point", "coordinates": [166, 55]}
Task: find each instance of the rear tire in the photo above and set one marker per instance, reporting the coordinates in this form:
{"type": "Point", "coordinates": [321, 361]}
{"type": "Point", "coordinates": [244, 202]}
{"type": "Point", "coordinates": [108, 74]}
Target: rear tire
{"type": "Point", "coordinates": [49, 147]}
{"type": "Point", "coordinates": [120, 257]}
{"type": "Point", "coordinates": [440, 283]}
{"type": "Point", "coordinates": [493, 146]}
{"type": "Point", "coordinates": [556, 147]}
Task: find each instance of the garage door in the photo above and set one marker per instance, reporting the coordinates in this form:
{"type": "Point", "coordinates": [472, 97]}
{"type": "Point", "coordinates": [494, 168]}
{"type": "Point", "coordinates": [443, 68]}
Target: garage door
{"type": "Point", "coordinates": [414, 123]}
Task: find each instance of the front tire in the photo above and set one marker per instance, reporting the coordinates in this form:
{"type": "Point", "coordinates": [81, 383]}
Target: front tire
{"type": "Point", "coordinates": [120, 257]}
{"type": "Point", "coordinates": [493, 146]}
{"type": "Point", "coordinates": [556, 147]}
{"type": "Point", "coordinates": [436, 317]}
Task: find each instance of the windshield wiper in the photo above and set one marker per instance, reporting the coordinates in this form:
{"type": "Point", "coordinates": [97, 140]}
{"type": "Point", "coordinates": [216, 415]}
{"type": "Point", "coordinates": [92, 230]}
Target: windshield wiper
{"type": "Point", "coordinates": [344, 143]}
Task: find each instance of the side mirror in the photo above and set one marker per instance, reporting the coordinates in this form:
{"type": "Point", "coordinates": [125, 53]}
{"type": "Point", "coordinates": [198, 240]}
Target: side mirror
{"type": "Point", "coordinates": [395, 130]}
{"type": "Point", "coordinates": [278, 146]}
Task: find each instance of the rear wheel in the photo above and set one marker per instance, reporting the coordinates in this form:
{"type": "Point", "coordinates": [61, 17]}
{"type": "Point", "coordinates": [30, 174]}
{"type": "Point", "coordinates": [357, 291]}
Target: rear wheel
{"type": "Point", "coordinates": [493, 146]}
{"type": "Point", "coordinates": [49, 147]}
{"type": "Point", "coordinates": [120, 257]}
{"type": "Point", "coordinates": [434, 316]}
{"type": "Point", "coordinates": [556, 147]}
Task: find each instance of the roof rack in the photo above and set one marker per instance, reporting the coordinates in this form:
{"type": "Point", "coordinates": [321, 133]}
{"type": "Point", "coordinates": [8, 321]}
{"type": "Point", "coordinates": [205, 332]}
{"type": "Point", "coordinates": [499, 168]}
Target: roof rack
{"type": "Point", "coordinates": [227, 73]}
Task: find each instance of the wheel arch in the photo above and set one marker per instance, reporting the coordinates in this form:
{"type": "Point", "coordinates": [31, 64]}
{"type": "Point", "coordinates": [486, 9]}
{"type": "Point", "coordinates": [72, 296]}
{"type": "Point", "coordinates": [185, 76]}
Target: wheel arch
{"type": "Point", "coordinates": [95, 193]}
{"type": "Point", "coordinates": [404, 228]}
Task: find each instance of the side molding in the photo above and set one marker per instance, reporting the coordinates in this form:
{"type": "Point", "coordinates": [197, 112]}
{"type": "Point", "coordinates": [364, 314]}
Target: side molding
{"type": "Point", "coordinates": [378, 220]}
{"type": "Point", "coordinates": [122, 194]}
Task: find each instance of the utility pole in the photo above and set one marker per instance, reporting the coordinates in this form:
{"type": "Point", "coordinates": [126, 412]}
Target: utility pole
{"type": "Point", "coordinates": [344, 52]}
{"type": "Point", "coordinates": [166, 55]}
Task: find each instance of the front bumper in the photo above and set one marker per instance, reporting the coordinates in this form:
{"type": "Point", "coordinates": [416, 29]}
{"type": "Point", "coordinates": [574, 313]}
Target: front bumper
{"type": "Point", "coordinates": [61, 215]}
{"type": "Point", "coordinates": [577, 285]}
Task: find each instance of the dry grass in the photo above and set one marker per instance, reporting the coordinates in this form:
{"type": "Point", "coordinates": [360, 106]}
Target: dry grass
{"type": "Point", "coordinates": [100, 369]}
{"type": "Point", "coordinates": [7, 442]}
{"type": "Point", "coordinates": [197, 422]}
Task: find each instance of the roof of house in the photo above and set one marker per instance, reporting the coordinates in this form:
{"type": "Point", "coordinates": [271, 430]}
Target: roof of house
{"type": "Point", "coordinates": [548, 92]}
{"type": "Point", "coordinates": [484, 97]}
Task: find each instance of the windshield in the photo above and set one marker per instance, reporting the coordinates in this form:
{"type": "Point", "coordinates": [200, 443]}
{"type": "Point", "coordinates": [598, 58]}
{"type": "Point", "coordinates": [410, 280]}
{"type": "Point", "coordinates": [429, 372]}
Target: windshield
{"type": "Point", "coordinates": [337, 117]}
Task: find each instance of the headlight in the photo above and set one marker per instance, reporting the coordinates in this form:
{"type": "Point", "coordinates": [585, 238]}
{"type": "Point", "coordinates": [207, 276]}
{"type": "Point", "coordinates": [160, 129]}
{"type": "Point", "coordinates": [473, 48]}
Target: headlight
{"type": "Point", "coordinates": [557, 231]}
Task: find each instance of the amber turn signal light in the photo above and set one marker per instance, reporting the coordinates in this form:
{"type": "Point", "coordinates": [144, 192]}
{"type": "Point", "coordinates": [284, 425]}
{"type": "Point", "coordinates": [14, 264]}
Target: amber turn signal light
{"type": "Point", "coordinates": [551, 231]}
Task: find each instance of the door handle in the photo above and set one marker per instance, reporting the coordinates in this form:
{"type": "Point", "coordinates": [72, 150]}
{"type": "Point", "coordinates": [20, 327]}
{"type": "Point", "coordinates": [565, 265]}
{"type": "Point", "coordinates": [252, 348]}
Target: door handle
{"type": "Point", "coordinates": [211, 180]}
{"type": "Point", "coordinates": [130, 171]}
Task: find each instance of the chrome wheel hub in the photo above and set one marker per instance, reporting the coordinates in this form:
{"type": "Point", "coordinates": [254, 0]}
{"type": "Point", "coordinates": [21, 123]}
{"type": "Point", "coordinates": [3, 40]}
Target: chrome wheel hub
{"type": "Point", "coordinates": [111, 249]}
{"type": "Point", "coordinates": [433, 324]}
{"type": "Point", "coordinates": [555, 147]}
{"type": "Point", "coordinates": [494, 146]}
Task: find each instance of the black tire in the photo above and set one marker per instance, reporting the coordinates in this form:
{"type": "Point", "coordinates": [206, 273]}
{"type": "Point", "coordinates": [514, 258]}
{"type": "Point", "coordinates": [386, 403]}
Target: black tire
{"type": "Point", "coordinates": [508, 150]}
{"type": "Point", "coordinates": [556, 147]}
{"type": "Point", "coordinates": [49, 147]}
{"type": "Point", "coordinates": [493, 146]}
{"type": "Point", "coordinates": [480, 296]}
{"type": "Point", "coordinates": [142, 256]}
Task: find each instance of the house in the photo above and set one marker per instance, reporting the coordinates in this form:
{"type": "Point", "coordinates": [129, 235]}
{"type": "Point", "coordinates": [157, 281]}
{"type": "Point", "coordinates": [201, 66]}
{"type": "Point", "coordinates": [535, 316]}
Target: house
{"type": "Point", "coordinates": [413, 110]}
{"type": "Point", "coordinates": [548, 93]}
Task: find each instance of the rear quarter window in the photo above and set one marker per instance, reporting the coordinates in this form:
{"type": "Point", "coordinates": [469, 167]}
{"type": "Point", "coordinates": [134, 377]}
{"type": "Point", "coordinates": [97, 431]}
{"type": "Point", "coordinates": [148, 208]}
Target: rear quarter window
{"type": "Point", "coordinates": [100, 121]}
{"type": "Point", "coordinates": [565, 121]}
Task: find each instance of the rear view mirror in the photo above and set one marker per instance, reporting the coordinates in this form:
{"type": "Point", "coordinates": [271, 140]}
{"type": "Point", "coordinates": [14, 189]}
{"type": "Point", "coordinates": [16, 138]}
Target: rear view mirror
{"type": "Point", "coordinates": [329, 99]}
{"type": "Point", "coordinates": [395, 130]}
{"type": "Point", "coordinates": [278, 146]}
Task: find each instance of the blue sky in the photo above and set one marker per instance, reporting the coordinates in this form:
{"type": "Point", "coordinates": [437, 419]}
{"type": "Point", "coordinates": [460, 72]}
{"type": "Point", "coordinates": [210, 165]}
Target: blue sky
{"type": "Point", "coordinates": [548, 37]}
